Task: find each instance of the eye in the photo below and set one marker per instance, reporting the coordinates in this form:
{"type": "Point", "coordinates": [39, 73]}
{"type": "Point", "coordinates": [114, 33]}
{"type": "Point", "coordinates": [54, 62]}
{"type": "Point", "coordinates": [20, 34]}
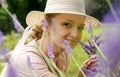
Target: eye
{"type": "Point", "coordinates": [80, 28]}
{"type": "Point", "coordinates": [66, 24]}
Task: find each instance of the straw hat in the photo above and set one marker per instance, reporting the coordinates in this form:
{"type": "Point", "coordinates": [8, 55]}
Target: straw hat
{"type": "Point", "coordinates": [60, 6]}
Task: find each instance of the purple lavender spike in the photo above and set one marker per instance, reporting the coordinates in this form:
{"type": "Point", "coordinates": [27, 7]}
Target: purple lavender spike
{"type": "Point", "coordinates": [68, 48]}
{"type": "Point", "coordinates": [50, 52]}
{"type": "Point", "coordinates": [45, 24]}
{"type": "Point", "coordinates": [100, 42]}
{"type": "Point", "coordinates": [29, 62]}
{"type": "Point", "coordinates": [88, 47]}
{"type": "Point", "coordinates": [2, 40]}
{"type": "Point", "coordinates": [17, 24]}
{"type": "Point", "coordinates": [89, 28]}
{"type": "Point", "coordinates": [17, 35]}
{"type": "Point", "coordinates": [1, 33]}
{"type": "Point", "coordinates": [91, 73]}
{"type": "Point", "coordinates": [12, 71]}
{"type": "Point", "coordinates": [1, 1]}
{"type": "Point", "coordinates": [85, 47]}
{"type": "Point", "coordinates": [4, 51]}
{"type": "Point", "coordinates": [96, 37]}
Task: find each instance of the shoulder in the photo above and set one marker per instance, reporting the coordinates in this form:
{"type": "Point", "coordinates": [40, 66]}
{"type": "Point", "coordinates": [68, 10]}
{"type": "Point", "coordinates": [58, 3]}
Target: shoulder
{"type": "Point", "coordinates": [26, 56]}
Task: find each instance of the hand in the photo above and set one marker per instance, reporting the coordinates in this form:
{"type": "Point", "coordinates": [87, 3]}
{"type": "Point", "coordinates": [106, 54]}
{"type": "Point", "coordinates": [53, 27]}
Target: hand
{"type": "Point", "coordinates": [90, 67]}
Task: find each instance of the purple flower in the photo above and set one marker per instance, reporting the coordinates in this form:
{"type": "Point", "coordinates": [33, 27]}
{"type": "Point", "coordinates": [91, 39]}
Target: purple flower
{"type": "Point", "coordinates": [5, 51]}
{"type": "Point", "coordinates": [45, 24]}
{"type": "Point", "coordinates": [110, 17]}
{"type": "Point", "coordinates": [89, 46]}
{"type": "Point", "coordinates": [111, 48]}
{"type": "Point", "coordinates": [17, 24]}
{"type": "Point", "coordinates": [12, 71]}
{"type": "Point", "coordinates": [1, 1]}
{"type": "Point", "coordinates": [28, 62]}
{"type": "Point", "coordinates": [2, 38]}
{"type": "Point", "coordinates": [68, 48]}
{"type": "Point", "coordinates": [17, 35]}
{"type": "Point", "coordinates": [50, 52]}
{"type": "Point", "coordinates": [1, 33]}
{"type": "Point", "coordinates": [96, 37]}
{"type": "Point", "coordinates": [91, 73]}
{"type": "Point", "coordinates": [89, 27]}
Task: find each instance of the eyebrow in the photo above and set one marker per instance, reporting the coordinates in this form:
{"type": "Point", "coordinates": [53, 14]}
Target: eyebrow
{"type": "Point", "coordinates": [81, 24]}
{"type": "Point", "coordinates": [69, 20]}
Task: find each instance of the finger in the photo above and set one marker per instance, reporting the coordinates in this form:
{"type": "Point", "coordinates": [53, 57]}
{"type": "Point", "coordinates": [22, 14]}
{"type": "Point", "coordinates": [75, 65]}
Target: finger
{"type": "Point", "coordinates": [93, 65]}
{"type": "Point", "coordinates": [94, 68]}
{"type": "Point", "coordinates": [92, 59]}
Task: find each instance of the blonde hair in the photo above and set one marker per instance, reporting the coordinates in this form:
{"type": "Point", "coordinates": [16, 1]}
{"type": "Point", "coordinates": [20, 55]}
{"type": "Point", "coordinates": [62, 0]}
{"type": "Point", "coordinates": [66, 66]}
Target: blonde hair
{"type": "Point", "coordinates": [37, 31]}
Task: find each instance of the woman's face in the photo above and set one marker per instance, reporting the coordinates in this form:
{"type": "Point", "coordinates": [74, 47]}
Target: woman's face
{"type": "Point", "coordinates": [66, 27]}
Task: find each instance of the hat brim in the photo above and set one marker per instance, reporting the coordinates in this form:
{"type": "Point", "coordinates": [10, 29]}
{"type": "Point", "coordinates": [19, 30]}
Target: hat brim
{"type": "Point", "coordinates": [35, 17]}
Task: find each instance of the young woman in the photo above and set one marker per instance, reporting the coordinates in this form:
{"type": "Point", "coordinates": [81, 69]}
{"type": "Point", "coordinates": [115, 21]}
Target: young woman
{"type": "Point", "coordinates": [63, 21]}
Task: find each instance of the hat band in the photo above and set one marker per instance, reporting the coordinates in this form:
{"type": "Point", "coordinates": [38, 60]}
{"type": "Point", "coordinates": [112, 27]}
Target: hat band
{"type": "Point", "coordinates": [61, 7]}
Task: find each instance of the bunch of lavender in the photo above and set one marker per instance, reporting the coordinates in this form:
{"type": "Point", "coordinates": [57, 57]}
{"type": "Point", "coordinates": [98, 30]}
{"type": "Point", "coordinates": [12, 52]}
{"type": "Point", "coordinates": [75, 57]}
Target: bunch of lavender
{"type": "Point", "coordinates": [92, 45]}
{"type": "Point", "coordinates": [111, 45]}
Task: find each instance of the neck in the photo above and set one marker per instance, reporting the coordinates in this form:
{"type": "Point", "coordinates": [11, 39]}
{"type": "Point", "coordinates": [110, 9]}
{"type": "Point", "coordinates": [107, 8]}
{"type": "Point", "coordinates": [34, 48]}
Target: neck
{"type": "Point", "coordinates": [56, 50]}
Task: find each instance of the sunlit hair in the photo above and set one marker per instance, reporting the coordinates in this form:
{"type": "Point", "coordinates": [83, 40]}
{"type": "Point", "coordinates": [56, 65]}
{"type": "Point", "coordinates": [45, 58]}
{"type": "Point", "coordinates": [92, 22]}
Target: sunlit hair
{"type": "Point", "coordinates": [37, 31]}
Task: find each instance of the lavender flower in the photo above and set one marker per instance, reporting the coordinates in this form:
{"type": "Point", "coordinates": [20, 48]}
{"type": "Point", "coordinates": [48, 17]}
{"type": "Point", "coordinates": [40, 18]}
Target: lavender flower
{"type": "Point", "coordinates": [45, 24]}
{"type": "Point", "coordinates": [96, 37]}
{"type": "Point", "coordinates": [111, 46]}
{"type": "Point", "coordinates": [1, 1]}
{"type": "Point", "coordinates": [89, 27]}
{"type": "Point", "coordinates": [28, 62]}
{"type": "Point", "coordinates": [17, 35]}
{"type": "Point", "coordinates": [91, 73]}
{"type": "Point", "coordinates": [1, 34]}
{"type": "Point", "coordinates": [2, 38]}
{"type": "Point", "coordinates": [5, 51]}
{"type": "Point", "coordinates": [89, 46]}
{"type": "Point", "coordinates": [50, 52]}
{"type": "Point", "coordinates": [111, 41]}
{"type": "Point", "coordinates": [68, 48]}
{"type": "Point", "coordinates": [12, 71]}
{"type": "Point", "coordinates": [17, 24]}
{"type": "Point", "coordinates": [113, 15]}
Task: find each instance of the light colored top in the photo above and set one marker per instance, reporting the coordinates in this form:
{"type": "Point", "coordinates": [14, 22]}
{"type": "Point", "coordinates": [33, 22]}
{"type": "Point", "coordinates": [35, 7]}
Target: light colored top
{"type": "Point", "coordinates": [19, 61]}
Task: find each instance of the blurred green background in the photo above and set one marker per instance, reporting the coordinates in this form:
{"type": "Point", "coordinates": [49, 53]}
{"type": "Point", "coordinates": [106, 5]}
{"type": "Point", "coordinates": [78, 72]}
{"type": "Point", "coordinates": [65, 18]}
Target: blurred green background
{"type": "Point", "coordinates": [96, 8]}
